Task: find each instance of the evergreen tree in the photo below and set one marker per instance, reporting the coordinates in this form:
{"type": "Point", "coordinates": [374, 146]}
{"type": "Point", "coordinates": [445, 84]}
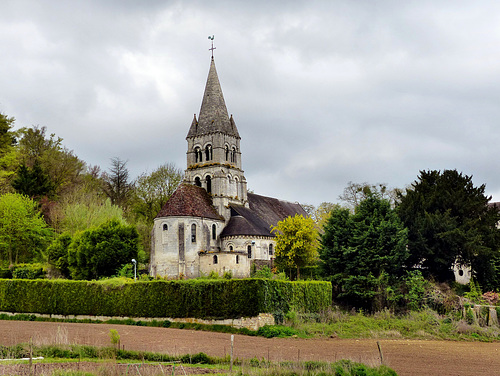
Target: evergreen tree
{"type": "Point", "coordinates": [32, 182]}
{"type": "Point", "coordinates": [363, 251]}
{"type": "Point", "coordinates": [449, 221]}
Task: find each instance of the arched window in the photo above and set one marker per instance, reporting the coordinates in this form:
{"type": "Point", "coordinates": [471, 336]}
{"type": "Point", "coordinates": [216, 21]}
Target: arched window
{"type": "Point", "coordinates": [227, 153]}
{"type": "Point", "coordinates": [198, 154]}
{"type": "Point", "coordinates": [165, 227]}
{"type": "Point", "coordinates": [193, 233]}
{"type": "Point", "coordinates": [249, 250]}
{"type": "Point", "coordinates": [215, 259]}
{"type": "Point", "coordinates": [197, 181]}
{"type": "Point", "coordinates": [231, 248]}
{"type": "Point", "coordinates": [237, 259]}
{"type": "Point", "coordinates": [214, 232]}
{"type": "Point", "coordinates": [208, 152]}
{"type": "Point", "coordinates": [233, 155]}
{"type": "Point", "coordinates": [209, 183]}
{"type": "Point", "coordinates": [270, 249]}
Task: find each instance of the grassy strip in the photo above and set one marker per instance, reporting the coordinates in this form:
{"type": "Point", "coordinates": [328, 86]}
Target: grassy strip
{"type": "Point", "coordinates": [425, 324]}
{"type": "Point", "coordinates": [252, 367]}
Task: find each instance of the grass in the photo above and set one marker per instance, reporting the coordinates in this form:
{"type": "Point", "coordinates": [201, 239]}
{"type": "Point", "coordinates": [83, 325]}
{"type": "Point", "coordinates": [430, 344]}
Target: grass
{"type": "Point", "coordinates": [425, 324]}
{"type": "Point", "coordinates": [253, 367]}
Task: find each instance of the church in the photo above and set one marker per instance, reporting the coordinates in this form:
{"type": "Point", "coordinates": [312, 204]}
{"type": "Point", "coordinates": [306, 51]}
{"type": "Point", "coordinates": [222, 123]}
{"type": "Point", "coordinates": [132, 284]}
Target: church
{"type": "Point", "coordinates": [211, 223]}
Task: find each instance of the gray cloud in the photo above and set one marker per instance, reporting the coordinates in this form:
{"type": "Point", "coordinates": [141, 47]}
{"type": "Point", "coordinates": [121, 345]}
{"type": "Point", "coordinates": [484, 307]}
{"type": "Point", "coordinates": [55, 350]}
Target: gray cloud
{"type": "Point", "coordinates": [323, 92]}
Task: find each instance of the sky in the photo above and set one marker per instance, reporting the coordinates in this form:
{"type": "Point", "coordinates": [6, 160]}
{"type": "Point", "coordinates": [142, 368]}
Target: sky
{"type": "Point", "coordinates": [323, 92]}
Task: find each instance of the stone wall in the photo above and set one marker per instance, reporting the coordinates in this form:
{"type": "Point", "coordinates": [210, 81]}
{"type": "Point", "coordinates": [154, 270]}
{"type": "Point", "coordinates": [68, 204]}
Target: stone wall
{"type": "Point", "coordinates": [252, 323]}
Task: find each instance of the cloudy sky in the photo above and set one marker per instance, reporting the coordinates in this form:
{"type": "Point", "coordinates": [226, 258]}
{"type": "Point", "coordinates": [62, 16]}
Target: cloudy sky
{"type": "Point", "coordinates": [322, 92]}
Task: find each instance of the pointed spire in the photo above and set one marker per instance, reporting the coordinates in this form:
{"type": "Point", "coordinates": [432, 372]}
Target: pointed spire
{"type": "Point", "coordinates": [213, 113]}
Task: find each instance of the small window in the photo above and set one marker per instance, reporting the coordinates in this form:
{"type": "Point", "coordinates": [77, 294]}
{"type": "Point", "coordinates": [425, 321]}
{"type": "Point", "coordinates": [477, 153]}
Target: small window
{"type": "Point", "coordinates": [208, 152]}
{"type": "Point", "coordinates": [165, 227]}
{"type": "Point", "coordinates": [237, 259]}
{"type": "Point", "coordinates": [249, 249]}
{"type": "Point", "coordinates": [198, 155]}
{"type": "Point", "coordinates": [208, 179]}
{"type": "Point", "coordinates": [227, 153]}
{"type": "Point", "coordinates": [216, 260]}
{"type": "Point", "coordinates": [231, 248]}
{"type": "Point", "coordinates": [233, 155]}
{"type": "Point", "coordinates": [193, 233]}
{"type": "Point", "coordinates": [270, 249]}
{"type": "Point", "coordinates": [214, 232]}
{"type": "Point", "coordinates": [197, 181]}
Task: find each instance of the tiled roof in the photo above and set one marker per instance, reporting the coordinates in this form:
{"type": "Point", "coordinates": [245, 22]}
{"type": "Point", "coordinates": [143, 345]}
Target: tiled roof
{"type": "Point", "coordinates": [263, 213]}
{"type": "Point", "coordinates": [213, 113]}
{"type": "Point", "coordinates": [189, 201]}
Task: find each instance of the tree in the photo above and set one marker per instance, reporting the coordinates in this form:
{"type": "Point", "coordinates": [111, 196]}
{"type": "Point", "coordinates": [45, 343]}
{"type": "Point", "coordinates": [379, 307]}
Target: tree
{"type": "Point", "coordinates": [360, 252]}
{"type": "Point", "coordinates": [116, 185]}
{"type": "Point", "coordinates": [24, 235]}
{"type": "Point", "coordinates": [449, 221]}
{"type": "Point", "coordinates": [8, 155]}
{"type": "Point", "coordinates": [100, 252]}
{"type": "Point", "coordinates": [296, 242]}
{"type": "Point", "coordinates": [354, 193]}
{"type": "Point", "coordinates": [154, 189]}
{"type": "Point", "coordinates": [32, 182]}
{"type": "Point", "coordinates": [60, 164]}
{"type": "Point", "coordinates": [321, 213]}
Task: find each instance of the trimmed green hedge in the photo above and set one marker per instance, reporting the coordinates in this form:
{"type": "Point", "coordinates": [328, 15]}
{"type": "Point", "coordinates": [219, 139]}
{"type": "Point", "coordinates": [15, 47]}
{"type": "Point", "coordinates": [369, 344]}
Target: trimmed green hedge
{"type": "Point", "coordinates": [205, 299]}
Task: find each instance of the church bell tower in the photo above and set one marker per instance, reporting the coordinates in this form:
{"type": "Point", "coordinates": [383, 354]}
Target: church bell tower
{"type": "Point", "coordinates": [213, 153]}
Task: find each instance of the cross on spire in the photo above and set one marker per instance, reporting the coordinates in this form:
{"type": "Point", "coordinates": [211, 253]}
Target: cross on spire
{"type": "Point", "coordinates": [213, 48]}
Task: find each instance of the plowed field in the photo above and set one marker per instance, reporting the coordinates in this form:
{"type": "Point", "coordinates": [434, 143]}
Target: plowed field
{"type": "Point", "coordinates": [406, 357]}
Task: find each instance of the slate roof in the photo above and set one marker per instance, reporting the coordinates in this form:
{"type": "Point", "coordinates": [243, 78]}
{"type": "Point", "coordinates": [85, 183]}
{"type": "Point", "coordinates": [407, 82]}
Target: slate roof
{"type": "Point", "coordinates": [213, 113]}
{"type": "Point", "coordinates": [257, 220]}
{"type": "Point", "coordinates": [189, 201]}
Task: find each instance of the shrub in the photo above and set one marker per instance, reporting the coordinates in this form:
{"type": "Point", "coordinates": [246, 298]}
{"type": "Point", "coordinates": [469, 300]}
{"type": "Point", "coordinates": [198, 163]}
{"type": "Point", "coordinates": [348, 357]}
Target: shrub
{"type": "Point", "coordinates": [28, 271]}
{"type": "Point", "coordinates": [191, 298]}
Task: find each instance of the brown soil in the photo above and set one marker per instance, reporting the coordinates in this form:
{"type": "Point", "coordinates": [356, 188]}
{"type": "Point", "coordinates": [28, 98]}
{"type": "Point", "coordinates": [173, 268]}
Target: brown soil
{"type": "Point", "coordinates": [406, 357]}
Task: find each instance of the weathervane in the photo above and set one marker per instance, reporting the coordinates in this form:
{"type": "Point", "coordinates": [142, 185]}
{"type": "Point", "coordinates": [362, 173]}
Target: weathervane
{"type": "Point", "coordinates": [213, 48]}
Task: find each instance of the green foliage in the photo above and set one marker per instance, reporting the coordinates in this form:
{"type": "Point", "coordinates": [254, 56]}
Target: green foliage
{"type": "Point", "coordinates": [474, 294]}
{"type": "Point", "coordinates": [100, 252]}
{"type": "Point", "coordinates": [364, 253]}
{"type": "Point", "coordinates": [153, 190]}
{"type": "Point", "coordinates": [269, 331]}
{"type": "Point", "coordinates": [60, 164]}
{"type": "Point", "coordinates": [81, 215]}
{"type": "Point", "coordinates": [24, 235]}
{"type": "Point", "coordinates": [33, 182]}
{"type": "Point", "coordinates": [219, 298]}
{"type": "Point", "coordinates": [449, 220]}
{"type": "Point", "coordinates": [296, 242]}
{"type": "Point", "coordinates": [8, 155]}
{"type": "Point", "coordinates": [57, 253]}
{"type": "Point", "coordinates": [28, 271]}
{"type": "Point", "coordinates": [114, 337]}
{"type": "Point", "coordinates": [264, 272]}
{"type": "Point", "coordinates": [416, 289]}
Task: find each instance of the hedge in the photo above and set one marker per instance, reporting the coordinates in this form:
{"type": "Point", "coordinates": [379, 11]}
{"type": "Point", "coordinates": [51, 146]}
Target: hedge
{"type": "Point", "coordinates": [205, 299]}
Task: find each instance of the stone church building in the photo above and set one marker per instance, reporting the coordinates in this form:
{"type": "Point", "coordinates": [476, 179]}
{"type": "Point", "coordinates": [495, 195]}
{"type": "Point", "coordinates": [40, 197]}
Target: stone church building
{"type": "Point", "coordinates": [211, 223]}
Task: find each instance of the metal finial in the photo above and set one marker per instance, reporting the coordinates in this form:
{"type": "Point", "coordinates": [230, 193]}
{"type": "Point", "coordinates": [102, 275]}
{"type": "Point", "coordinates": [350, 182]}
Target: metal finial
{"type": "Point", "coordinates": [213, 48]}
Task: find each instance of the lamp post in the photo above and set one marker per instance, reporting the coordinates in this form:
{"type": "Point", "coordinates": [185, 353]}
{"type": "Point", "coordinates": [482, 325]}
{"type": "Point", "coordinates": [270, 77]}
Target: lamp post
{"type": "Point", "coordinates": [135, 269]}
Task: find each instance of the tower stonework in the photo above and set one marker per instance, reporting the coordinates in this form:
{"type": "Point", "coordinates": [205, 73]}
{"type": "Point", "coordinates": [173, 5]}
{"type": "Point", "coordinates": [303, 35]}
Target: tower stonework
{"type": "Point", "coordinates": [211, 224]}
{"type": "Point", "coordinates": [213, 153]}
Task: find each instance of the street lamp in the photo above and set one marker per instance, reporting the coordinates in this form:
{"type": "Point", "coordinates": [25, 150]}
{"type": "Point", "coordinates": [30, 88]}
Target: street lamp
{"type": "Point", "coordinates": [135, 269]}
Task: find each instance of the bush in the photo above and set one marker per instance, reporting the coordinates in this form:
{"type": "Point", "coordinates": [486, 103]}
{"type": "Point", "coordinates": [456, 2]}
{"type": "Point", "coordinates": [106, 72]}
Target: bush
{"type": "Point", "coordinates": [28, 271]}
{"type": "Point", "coordinates": [270, 331]}
{"type": "Point", "coordinates": [191, 298]}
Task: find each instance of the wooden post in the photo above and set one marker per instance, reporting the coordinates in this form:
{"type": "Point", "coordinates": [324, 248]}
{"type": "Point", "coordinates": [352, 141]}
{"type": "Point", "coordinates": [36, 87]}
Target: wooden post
{"type": "Point", "coordinates": [31, 356]}
{"type": "Point", "coordinates": [232, 347]}
{"type": "Point", "coordinates": [380, 352]}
